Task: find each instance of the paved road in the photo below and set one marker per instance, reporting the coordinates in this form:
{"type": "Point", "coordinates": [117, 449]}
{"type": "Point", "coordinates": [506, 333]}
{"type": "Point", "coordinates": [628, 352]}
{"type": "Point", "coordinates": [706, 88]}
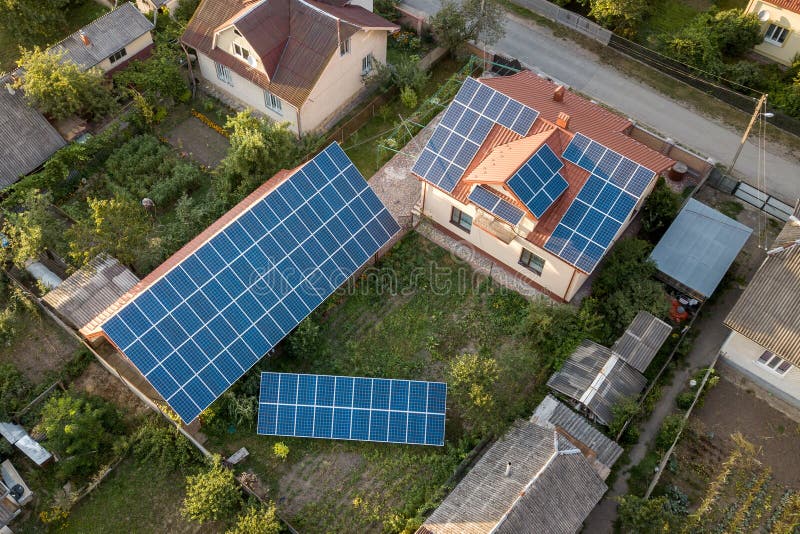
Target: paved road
{"type": "Point", "coordinates": [560, 58]}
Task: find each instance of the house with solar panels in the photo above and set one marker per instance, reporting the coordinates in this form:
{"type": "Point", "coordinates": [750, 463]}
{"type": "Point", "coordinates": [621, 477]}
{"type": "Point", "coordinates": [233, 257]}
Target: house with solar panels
{"type": "Point", "coordinates": [538, 178]}
{"type": "Point", "coordinates": [204, 317]}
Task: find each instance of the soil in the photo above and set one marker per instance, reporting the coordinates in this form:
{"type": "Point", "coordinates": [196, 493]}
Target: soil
{"type": "Point", "coordinates": [95, 380]}
{"type": "Point", "coordinates": [39, 347]}
{"type": "Point", "coordinates": [198, 142]}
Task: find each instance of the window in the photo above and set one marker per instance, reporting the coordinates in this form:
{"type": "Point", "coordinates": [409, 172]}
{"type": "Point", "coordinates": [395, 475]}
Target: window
{"type": "Point", "coordinates": [776, 34]}
{"type": "Point", "coordinates": [531, 261]}
{"type": "Point", "coordinates": [224, 73]}
{"type": "Point", "coordinates": [461, 219]}
{"type": "Point", "coordinates": [272, 102]}
{"type": "Point", "coordinates": [237, 32]}
{"type": "Point", "coordinates": [241, 51]}
{"type": "Point", "coordinates": [366, 64]}
{"type": "Point", "coordinates": [775, 363]}
{"type": "Point", "coordinates": [344, 47]}
{"type": "Point", "coordinates": [119, 54]}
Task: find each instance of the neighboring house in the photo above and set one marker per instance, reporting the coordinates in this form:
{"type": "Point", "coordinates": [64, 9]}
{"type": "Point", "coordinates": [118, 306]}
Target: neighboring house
{"type": "Point", "coordinates": [764, 342]}
{"type": "Point", "coordinates": [543, 476]}
{"type": "Point", "coordinates": [110, 41]}
{"type": "Point", "coordinates": [27, 140]}
{"type": "Point", "coordinates": [538, 178]}
{"type": "Point", "coordinates": [295, 61]}
{"type": "Point", "coordinates": [780, 20]}
{"type": "Point", "coordinates": [14, 493]}
{"type": "Point", "coordinates": [148, 6]}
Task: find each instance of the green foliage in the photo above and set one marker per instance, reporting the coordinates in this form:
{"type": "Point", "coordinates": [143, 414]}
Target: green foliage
{"type": "Point", "coordinates": [13, 390]}
{"type": "Point", "coordinates": [670, 428]}
{"type": "Point", "coordinates": [59, 87]}
{"type": "Point", "coordinates": [82, 429]}
{"type": "Point", "coordinates": [386, 9]}
{"type": "Point", "coordinates": [644, 516]}
{"type": "Point", "coordinates": [685, 400]}
{"type": "Point", "coordinates": [732, 31]}
{"type": "Point", "coordinates": [33, 229]}
{"type": "Point", "coordinates": [472, 382]}
{"type": "Point", "coordinates": [659, 210]}
{"type": "Point", "coordinates": [620, 16]}
{"type": "Point", "coordinates": [305, 340]}
{"type": "Point", "coordinates": [405, 73]}
{"type": "Point", "coordinates": [472, 20]}
{"type": "Point", "coordinates": [211, 495]}
{"type": "Point", "coordinates": [257, 519]}
{"type": "Point", "coordinates": [157, 442]}
{"type": "Point", "coordinates": [405, 40]}
{"type": "Point", "coordinates": [408, 97]}
{"type": "Point", "coordinates": [31, 21]}
{"type": "Point", "coordinates": [280, 450]}
{"type": "Point", "coordinates": [731, 208]}
{"type": "Point", "coordinates": [185, 10]}
{"type": "Point", "coordinates": [156, 77]}
{"type": "Point", "coordinates": [621, 412]}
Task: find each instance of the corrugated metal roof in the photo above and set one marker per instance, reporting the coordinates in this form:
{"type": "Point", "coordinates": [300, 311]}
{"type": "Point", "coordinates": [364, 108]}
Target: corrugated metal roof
{"type": "Point", "coordinates": [642, 340]}
{"type": "Point", "coordinates": [699, 247]}
{"type": "Point", "coordinates": [107, 34]}
{"type": "Point", "coordinates": [26, 138]}
{"type": "Point", "coordinates": [90, 290]}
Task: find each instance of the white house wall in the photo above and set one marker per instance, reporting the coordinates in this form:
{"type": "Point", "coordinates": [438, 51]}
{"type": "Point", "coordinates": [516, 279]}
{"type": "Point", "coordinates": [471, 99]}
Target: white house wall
{"type": "Point", "coordinates": [225, 40]}
{"type": "Point", "coordinates": [132, 49]}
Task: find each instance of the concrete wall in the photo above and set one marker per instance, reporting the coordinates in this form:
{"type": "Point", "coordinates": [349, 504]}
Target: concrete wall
{"type": "Point", "coordinates": [743, 353]}
{"type": "Point", "coordinates": [132, 49]}
{"type": "Point", "coordinates": [785, 52]}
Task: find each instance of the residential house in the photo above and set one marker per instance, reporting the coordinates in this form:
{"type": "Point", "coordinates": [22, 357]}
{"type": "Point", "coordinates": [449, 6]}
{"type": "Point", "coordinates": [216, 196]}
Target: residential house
{"type": "Point", "coordinates": [111, 41]}
{"type": "Point", "coordinates": [780, 20]}
{"type": "Point", "coordinates": [148, 6]}
{"type": "Point", "coordinates": [764, 342]}
{"type": "Point", "coordinates": [543, 476]}
{"type": "Point", "coordinates": [295, 61]}
{"type": "Point", "coordinates": [539, 179]}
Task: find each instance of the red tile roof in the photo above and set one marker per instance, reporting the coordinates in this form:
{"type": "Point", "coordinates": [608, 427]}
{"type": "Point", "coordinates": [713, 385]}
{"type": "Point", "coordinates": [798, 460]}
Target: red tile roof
{"type": "Point", "coordinates": [791, 5]}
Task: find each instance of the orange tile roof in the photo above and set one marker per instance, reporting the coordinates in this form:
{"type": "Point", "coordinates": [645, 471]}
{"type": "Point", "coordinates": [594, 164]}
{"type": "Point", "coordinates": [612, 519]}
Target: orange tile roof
{"type": "Point", "coordinates": [791, 5]}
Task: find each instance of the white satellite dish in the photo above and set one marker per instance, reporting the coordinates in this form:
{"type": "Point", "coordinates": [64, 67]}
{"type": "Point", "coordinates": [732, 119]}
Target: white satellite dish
{"type": "Point", "coordinates": [763, 15]}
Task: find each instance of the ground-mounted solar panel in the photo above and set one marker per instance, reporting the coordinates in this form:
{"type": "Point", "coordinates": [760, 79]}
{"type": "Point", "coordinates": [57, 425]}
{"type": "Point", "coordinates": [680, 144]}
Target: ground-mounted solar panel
{"type": "Point", "coordinates": [538, 183]}
{"type": "Point", "coordinates": [602, 205]}
{"type": "Point", "coordinates": [494, 204]}
{"type": "Point", "coordinates": [463, 129]}
{"type": "Point", "coordinates": [352, 408]}
{"type": "Point", "coordinates": [201, 326]}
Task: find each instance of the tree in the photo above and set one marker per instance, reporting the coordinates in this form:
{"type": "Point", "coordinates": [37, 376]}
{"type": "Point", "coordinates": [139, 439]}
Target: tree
{"type": "Point", "coordinates": [305, 340]}
{"type": "Point", "coordinates": [472, 381]}
{"type": "Point", "coordinates": [60, 88]}
{"type": "Point", "coordinates": [472, 20]}
{"type": "Point", "coordinates": [33, 229]}
{"type": "Point", "coordinates": [659, 210]}
{"type": "Point", "coordinates": [732, 31]}
{"type": "Point", "coordinates": [404, 73]}
{"type": "Point", "coordinates": [644, 516]}
{"type": "Point", "coordinates": [257, 520]}
{"type": "Point", "coordinates": [212, 494]}
{"type": "Point", "coordinates": [33, 21]}
{"type": "Point", "coordinates": [620, 16]}
{"type": "Point", "coordinates": [159, 76]}
{"type": "Point", "coordinates": [621, 412]}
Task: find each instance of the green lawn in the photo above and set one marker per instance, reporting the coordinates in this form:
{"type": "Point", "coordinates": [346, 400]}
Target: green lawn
{"type": "Point", "coordinates": [670, 16]}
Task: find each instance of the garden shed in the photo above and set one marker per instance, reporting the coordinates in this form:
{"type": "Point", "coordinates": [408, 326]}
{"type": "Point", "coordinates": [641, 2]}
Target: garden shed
{"type": "Point", "coordinates": [642, 340]}
{"type": "Point", "coordinates": [698, 249]}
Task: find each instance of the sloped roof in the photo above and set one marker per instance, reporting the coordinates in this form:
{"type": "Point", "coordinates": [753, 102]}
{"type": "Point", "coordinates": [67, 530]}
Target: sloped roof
{"type": "Point", "coordinates": [642, 340]}
{"type": "Point", "coordinates": [791, 5]}
{"type": "Point", "coordinates": [768, 311]}
{"type": "Point", "coordinates": [26, 138]}
{"type": "Point", "coordinates": [502, 162]}
{"type": "Point", "coordinates": [294, 38]}
{"type": "Point", "coordinates": [699, 247]}
{"type": "Point", "coordinates": [90, 290]}
{"type": "Point", "coordinates": [108, 34]}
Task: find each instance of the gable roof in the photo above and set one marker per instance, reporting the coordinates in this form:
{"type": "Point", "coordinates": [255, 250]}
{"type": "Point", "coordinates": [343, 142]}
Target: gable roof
{"type": "Point", "coordinates": [791, 5]}
{"type": "Point", "coordinates": [108, 34]}
{"type": "Point", "coordinates": [642, 340]}
{"type": "Point", "coordinates": [26, 138]}
{"type": "Point", "coordinates": [768, 311]}
{"type": "Point", "coordinates": [295, 39]}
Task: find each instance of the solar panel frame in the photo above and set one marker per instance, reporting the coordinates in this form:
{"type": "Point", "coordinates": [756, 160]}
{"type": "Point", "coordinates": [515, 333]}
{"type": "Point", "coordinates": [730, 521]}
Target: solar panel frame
{"type": "Point", "coordinates": [352, 408]}
{"type": "Point", "coordinates": [494, 204]}
{"type": "Point", "coordinates": [538, 182]}
{"type": "Point", "coordinates": [200, 323]}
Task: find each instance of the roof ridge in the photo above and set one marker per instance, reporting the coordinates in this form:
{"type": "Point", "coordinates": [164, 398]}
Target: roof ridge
{"type": "Point", "coordinates": [101, 17]}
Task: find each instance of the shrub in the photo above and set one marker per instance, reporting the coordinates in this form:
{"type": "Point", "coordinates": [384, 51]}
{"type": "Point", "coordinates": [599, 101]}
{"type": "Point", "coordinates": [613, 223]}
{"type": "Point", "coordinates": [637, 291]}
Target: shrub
{"type": "Point", "coordinates": [472, 382]}
{"type": "Point", "coordinates": [165, 445]}
{"type": "Point", "coordinates": [669, 430]}
{"type": "Point", "coordinates": [184, 179]}
{"type": "Point", "coordinates": [281, 450]}
{"type": "Point", "coordinates": [685, 400]}
{"type": "Point", "coordinates": [620, 16]}
{"type": "Point", "coordinates": [659, 210]}
{"type": "Point", "coordinates": [211, 495]}
{"type": "Point", "coordinates": [305, 341]}
{"type": "Point", "coordinates": [644, 516]}
{"type": "Point", "coordinates": [257, 520]}
{"type": "Point", "coordinates": [185, 10]}
{"type": "Point", "coordinates": [621, 412]}
{"type": "Point", "coordinates": [13, 390]}
{"type": "Point", "coordinates": [408, 97]}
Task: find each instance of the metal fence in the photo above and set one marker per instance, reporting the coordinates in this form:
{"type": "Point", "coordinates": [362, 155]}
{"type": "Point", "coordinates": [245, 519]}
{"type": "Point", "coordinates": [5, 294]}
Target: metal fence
{"type": "Point", "coordinates": [567, 18]}
{"type": "Point", "coordinates": [753, 196]}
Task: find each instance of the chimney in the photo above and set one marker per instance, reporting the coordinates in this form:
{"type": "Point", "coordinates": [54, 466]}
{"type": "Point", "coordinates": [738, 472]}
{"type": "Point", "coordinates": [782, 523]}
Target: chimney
{"type": "Point", "coordinates": [85, 39]}
{"type": "Point", "coordinates": [508, 469]}
{"type": "Point", "coordinates": [558, 94]}
{"type": "Point", "coordinates": [563, 120]}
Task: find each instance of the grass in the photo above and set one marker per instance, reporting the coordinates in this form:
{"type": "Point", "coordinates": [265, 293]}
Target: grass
{"type": "Point", "coordinates": [668, 16]}
{"type": "Point", "coordinates": [731, 208]}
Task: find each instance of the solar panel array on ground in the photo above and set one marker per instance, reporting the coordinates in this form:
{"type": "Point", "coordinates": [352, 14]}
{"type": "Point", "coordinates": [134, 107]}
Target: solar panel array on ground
{"type": "Point", "coordinates": [602, 206]}
{"type": "Point", "coordinates": [537, 183]}
{"type": "Point", "coordinates": [343, 407]}
{"type": "Point", "coordinates": [491, 202]}
{"type": "Point", "coordinates": [463, 129]}
{"type": "Point", "coordinates": [201, 326]}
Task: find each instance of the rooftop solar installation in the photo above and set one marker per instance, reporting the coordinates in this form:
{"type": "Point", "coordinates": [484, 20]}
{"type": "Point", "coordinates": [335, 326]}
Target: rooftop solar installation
{"type": "Point", "coordinates": [463, 129]}
{"type": "Point", "coordinates": [489, 200]}
{"type": "Point", "coordinates": [602, 206]}
{"type": "Point", "coordinates": [343, 407]}
{"type": "Point", "coordinates": [200, 327]}
{"type": "Point", "coordinates": [538, 183]}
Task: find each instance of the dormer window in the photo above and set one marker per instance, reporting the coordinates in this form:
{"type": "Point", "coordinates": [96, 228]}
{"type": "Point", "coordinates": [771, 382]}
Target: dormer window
{"type": "Point", "coordinates": [237, 32]}
{"type": "Point", "coordinates": [241, 51]}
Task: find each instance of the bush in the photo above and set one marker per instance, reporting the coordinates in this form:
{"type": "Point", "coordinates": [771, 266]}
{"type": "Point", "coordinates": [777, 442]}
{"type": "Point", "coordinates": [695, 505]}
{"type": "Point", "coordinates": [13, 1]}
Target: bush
{"type": "Point", "coordinates": [156, 442]}
{"type": "Point", "coordinates": [281, 450]}
{"type": "Point", "coordinates": [13, 390]}
{"type": "Point", "coordinates": [685, 400]}
{"type": "Point", "coordinates": [257, 520]}
{"type": "Point", "coordinates": [620, 16]}
{"type": "Point", "coordinates": [622, 412]}
{"type": "Point", "coordinates": [211, 495]}
{"type": "Point", "coordinates": [644, 516]}
{"type": "Point", "coordinates": [305, 341]}
{"type": "Point", "coordinates": [670, 428]}
{"type": "Point", "coordinates": [184, 179]}
{"type": "Point", "coordinates": [472, 382]}
{"type": "Point", "coordinates": [185, 10]}
{"type": "Point", "coordinates": [408, 97]}
{"type": "Point", "coordinates": [659, 210]}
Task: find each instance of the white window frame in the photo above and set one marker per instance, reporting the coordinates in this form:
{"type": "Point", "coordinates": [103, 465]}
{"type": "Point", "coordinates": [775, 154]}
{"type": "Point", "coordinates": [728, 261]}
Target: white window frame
{"type": "Point", "coordinates": [532, 263]}
{"type": "Point", "coordinates": [772, 362]}
{"type": "Point", "coordinates": [367, 63]}
{"type": "Point", "coordinates": [273, 103]}
{"type": "Point", "coordinates": [344, 47]}
{"type": "Point", "coordinates": [223, 73]}
{"type": "Point", "coordinates": [241, 52]}
{"type": "Point", "coordinates": [776, 34]}
{"type": "Point", "coordinates": [116, 56]}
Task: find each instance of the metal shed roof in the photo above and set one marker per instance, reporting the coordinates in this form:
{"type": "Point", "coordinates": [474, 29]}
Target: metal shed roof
{"type": "Point", "coordinates": [698, 248]}
{"type": "Point", "coordinates": [642, 340]}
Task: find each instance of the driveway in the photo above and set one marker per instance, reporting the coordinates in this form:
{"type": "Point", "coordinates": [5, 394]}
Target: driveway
{"type": "Point", "coordinates": [566, 61]}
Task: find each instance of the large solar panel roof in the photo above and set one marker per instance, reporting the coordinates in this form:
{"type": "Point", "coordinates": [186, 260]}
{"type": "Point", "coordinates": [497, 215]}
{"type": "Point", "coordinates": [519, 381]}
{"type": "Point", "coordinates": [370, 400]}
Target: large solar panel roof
{"type": "Point", "coordinates": [201, 326]}
{"type": "Point", "coordinates": [538, 183]}
{"type": "Point", "coordinates": [344, 407]}
{"type": "Point", "coordinates": [463, 129]}
{"type": "Point", "coordinates": [602, 206]}
{"type": "Point", "coordinates": [491, 202]}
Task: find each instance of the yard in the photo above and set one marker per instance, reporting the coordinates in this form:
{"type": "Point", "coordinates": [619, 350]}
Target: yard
{"type": "Point", "coordinates": [669, 16]}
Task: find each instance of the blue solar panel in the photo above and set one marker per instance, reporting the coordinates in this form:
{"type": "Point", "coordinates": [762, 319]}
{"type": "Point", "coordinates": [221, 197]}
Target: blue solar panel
{"type": "Point", "coordinates": [464, 127]}
{"type": "Point", "coordinates": [492, 203]}
{"type": "Point", "coordinates": [341, 407]}
{"type": "Point", "coordinates": [210, 318]}
{"type": "Point", "coordinates": [538, 183]}
{"type": "Point", "coordinates": [602, 205]}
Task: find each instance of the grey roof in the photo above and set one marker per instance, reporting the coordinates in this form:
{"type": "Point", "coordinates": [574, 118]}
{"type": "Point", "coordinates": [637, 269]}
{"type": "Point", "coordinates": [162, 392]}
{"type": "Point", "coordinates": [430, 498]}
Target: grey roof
{"type": "Point", "coordinates": [91, 290]}
{"type": "Point", "coordinates": [699, 247]}
{"type": "Point", "coordinates": [107, 34]}
{"type": "Point", "coordinates": [598, 379]}
{"type": "Point", "coordinates": [26, 138]}
{"type": "Point", "coordinates": [642, 340]}
{"type": "Point", "coordinates": [551, 488]}
{"type": "Point", "coordinates": [551, 411]}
